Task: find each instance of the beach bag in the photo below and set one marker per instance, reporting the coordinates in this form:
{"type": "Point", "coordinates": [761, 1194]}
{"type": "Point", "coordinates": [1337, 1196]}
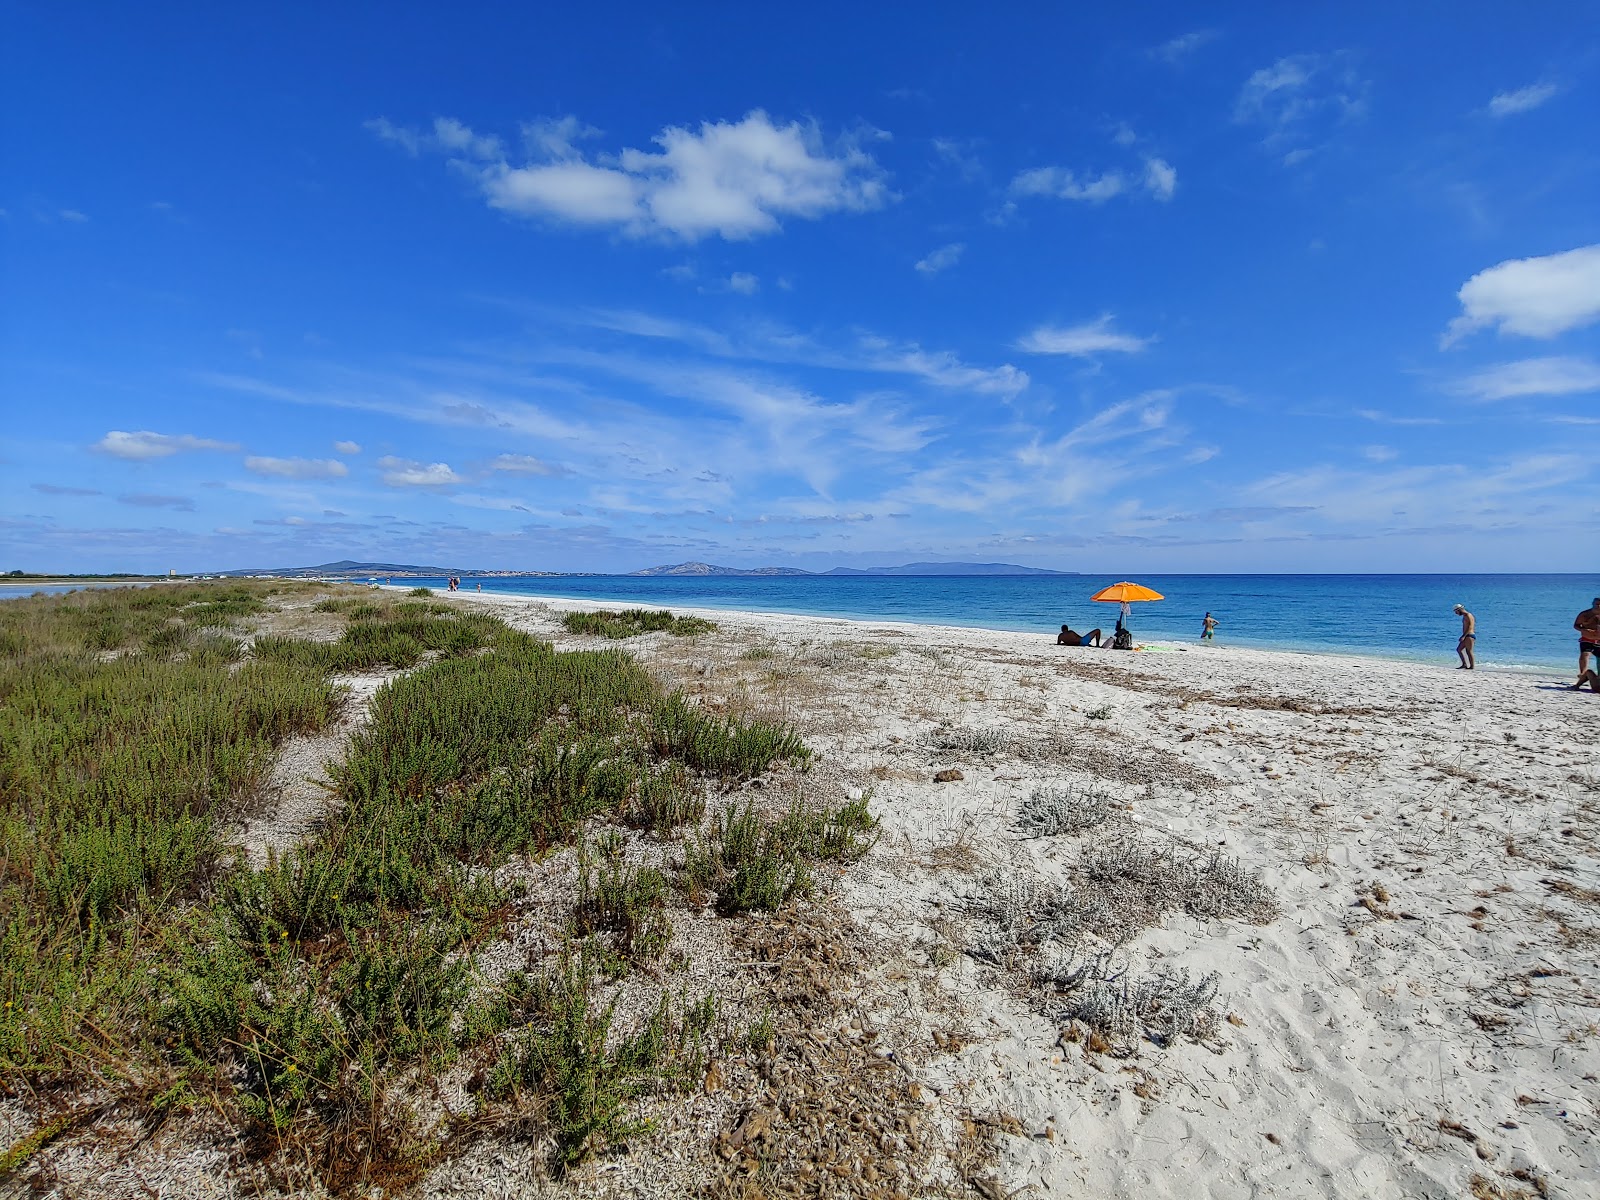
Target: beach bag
{"type": "Point", "coordinates": [1123, 640]}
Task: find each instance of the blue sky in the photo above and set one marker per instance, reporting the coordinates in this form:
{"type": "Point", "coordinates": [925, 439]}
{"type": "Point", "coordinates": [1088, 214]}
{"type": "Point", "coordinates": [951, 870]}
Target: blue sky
{"type": "Point", "coordinates": [1304, 288]}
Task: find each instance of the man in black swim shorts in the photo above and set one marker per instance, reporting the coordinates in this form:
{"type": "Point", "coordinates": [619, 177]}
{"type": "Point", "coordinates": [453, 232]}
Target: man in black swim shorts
{"type": "Point", "coordinates": [1588, 627]}
{"type": "Point", "coordinates": [1468, 640]}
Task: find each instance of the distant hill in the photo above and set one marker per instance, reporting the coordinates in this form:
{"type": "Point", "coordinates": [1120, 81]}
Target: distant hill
{"type": "Point", "coordinates": [948, 568]}
{"type": "Point", "coordinates": [922, 568]}
{"type": "Point", "coordinates": [700, 568]}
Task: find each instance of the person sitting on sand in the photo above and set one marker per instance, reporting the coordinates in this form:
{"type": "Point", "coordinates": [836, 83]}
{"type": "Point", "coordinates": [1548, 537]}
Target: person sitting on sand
{"type": "Point", "coordinates": [1468, 640]}
{"type": "Point", "coordinates": [1068, 638]}
{"type": "Point", "coordinates": [1591, 678]}
{"type": "Point", "coordinates": [1588, 627]}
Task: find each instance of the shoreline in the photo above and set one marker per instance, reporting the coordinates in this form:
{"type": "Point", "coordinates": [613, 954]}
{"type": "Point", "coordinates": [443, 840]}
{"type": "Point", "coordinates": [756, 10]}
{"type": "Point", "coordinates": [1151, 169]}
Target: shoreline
{"type": "Point", "coordinates": [1160, 647]}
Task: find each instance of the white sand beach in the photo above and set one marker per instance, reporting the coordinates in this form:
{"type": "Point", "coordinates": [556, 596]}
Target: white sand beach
{"type": "Point", "coordinates": [1421, 1016]}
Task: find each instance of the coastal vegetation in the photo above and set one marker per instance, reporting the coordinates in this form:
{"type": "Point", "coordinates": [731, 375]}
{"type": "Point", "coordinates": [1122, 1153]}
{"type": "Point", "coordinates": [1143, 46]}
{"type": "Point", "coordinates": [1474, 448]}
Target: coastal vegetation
{"type": "Point", "coordinates": [315, 1002]}
{"type": "Point", "coordinates": [631, 622]}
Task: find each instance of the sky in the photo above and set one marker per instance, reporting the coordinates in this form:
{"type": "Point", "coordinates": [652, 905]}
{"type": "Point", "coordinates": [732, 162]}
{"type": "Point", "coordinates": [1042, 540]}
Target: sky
{"type": "Point", "coordinates": [582, 288]}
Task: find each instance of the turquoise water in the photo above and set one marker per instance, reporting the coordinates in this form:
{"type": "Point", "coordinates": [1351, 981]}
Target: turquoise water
{"type": "Point", "coordinates": [14, 591]}
{"type": "Point", "coordinates": [1524, 621]}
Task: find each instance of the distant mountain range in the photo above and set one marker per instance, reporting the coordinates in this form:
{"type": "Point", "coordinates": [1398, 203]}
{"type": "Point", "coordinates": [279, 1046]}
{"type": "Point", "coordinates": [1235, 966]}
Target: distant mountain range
{"type": "Point", "coordinates": [919, 568]}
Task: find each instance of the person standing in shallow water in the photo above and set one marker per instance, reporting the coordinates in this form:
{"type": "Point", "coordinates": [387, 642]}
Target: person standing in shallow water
{"type": "Point", "coordinates": [1208, 628]}
{"type": "Point", "coordinates": [1467, 643]}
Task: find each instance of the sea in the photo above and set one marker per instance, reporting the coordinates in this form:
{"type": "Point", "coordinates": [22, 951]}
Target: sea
{"type": "Point", "coordinates": [1524, 621]}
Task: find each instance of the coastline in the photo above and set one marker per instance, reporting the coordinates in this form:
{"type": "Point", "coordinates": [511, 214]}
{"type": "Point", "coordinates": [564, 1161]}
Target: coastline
{"type": "Point", "coordinates": [1300, 656]}
{"type": "Point", "coordinates": [1417, 1017]}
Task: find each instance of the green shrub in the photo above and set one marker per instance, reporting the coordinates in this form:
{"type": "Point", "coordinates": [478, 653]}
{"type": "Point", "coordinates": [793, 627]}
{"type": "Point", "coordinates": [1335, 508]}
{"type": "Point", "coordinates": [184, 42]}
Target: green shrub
{"type": "Point", "coordinates": [632, 622]}
{"type": "Point", "coordinates": [720, 745]}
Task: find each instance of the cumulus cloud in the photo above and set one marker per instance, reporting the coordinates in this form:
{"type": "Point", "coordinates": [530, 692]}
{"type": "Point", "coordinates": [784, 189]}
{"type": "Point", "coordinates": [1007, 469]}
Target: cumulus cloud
{"type": "Point", "coordinates": [1522, 100]}
{"type": "Point", "coordinates": [347, 447]}
{"type": "Point", "coordinates": [941, 259]}
{"type": "Point", "coordinates": [744, 283]}
{"type": "Point", "coordinates": [146, 500]}
{"type": "Point", "coordinates": [297, 468]}
{"type": "Point", "coordinates": [52, 489]}
{"type": "Point", "coordinates": [524, 464]}
{"type": "Point", "coordinates": [1083, 341]}
{"type": "Point", "coordinates": [404, 472]}
{"type": "Point", "coordinates": [736, 180]}
{"type": "Point", "coordinates": [1533, 297]}
{"type": "Point", "coordinates": [145, 445]}
{"type": "Point", "coordinates": [1554, 376]}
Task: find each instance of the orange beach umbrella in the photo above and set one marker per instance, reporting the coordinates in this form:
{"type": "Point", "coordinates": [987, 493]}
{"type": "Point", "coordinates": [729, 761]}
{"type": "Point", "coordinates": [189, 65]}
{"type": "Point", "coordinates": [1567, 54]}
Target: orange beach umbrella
{"type": "Point", "coordinates": [1125, 593]}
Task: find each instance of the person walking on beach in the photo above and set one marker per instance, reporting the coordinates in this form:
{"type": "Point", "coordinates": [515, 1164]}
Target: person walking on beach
{"type": "Point", "coordinates": [1588, 627]}
{"type": "Point", "coordinates": [1208, 628]}
{"type": "Point", "coordinates": [1467, 642]}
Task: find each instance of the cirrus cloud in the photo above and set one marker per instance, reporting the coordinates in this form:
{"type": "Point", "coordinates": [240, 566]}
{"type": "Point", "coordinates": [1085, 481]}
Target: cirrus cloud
{"type": "Point", "coordinates": [1554, 376]}
{"type": "Point", "coordinates": [1083, 341]}
{"type": "Point", "coordinates": [145, 445]}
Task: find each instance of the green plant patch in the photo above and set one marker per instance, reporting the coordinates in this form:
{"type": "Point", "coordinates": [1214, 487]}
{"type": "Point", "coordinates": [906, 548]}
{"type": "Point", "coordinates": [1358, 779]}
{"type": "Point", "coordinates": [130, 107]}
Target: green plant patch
{"type": "Point", "coordinates": [632, 622]}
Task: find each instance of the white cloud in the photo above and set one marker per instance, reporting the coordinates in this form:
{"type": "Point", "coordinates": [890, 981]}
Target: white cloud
{"type": "Point", "coordinates": [1522, 100]}
{"type": "Point", "coordinates": [1379, 454]}
{"type": "Point", "coordinates": [941, 259]}
{"type": "Point", "coordinates": [347, 447]}
{"type": "Point", "coordinates": [744, 283]}
{"type": "Point", "coordinates": [1160, 178]}
{"type": "Point", "coordinates": [735, 180]}
{"type": "Point", "coordinates": [1301, 97]}
{"type": "Point", "coordinates": [1064, 184]}
{"type": "Point", "coordinates": [403, 472]}
{"type": "Point", "coordinates": [1180, 47]}
{"type": "Point", "coordinates": [1532, 377]}
{"type": "Point", "coordinates": [144, 445]}
{"type": "Point", "coordinates": [297, 468]}
{"type": "Point", "coordinates": [72, 214]}
{"type": "Point", "coordinates": [1533, 297]}
{"type": "Point", "coordinates": [1082, 341]}
{"type": "Point", "coordinates": [524, 464]}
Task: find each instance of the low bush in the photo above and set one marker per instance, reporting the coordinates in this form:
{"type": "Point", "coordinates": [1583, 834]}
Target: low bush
{"type": "Point", "coordinates": [632, 622]}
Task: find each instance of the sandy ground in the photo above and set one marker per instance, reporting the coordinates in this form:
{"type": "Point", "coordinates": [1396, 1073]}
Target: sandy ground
{"type": "Point", "coordinates": [1420, 1017]}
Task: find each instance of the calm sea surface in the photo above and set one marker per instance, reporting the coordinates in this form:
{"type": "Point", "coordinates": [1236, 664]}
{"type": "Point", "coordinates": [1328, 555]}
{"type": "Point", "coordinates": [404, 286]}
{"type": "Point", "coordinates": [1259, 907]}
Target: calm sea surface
{"type": "Point", "coordinates": [1523, 620]}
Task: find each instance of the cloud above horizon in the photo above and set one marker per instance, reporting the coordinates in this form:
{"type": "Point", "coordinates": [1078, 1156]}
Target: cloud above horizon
{"type": "Point", "coordinates": [297, 468]}
{"type": "Point", "coordinates": [1554, 376]}
{"type": "Point", "coordinates": [734, 180]}
{"type": "Point", "coordinates": [1522, 100]}
{"type": "Point", "coordinates": [145, 445]}
{"type": "Point", "coordinates": [1531, 297]}
{"type": "Point", "coordinates": [1083, 341]}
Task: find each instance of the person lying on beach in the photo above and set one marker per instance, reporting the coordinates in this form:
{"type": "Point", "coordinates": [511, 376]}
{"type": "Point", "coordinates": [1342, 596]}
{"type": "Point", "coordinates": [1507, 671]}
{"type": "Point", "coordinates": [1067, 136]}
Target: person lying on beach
{"type": "Point", "coordinates": [1466, 643]}
{"type": "Point", "coordinates": [1068, 638]}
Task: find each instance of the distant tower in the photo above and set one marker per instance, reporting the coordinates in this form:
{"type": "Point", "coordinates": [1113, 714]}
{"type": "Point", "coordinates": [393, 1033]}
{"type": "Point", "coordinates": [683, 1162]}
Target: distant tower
{"type": "Point", "coordinates": [171, 574]}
